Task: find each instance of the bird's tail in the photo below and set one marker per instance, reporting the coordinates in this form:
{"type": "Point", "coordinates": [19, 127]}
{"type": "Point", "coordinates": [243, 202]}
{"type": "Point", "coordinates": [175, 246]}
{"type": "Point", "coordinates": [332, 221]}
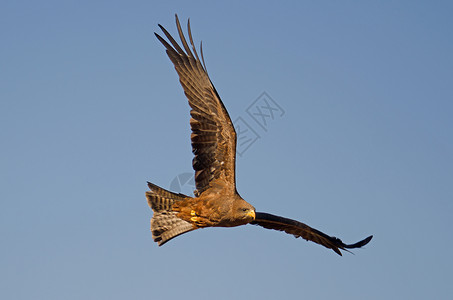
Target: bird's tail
{"type": "Point", "coordinates": [165, 225]}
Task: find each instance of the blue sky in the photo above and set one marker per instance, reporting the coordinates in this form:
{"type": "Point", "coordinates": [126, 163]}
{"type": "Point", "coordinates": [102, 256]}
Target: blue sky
{"type": "Point", "coordinates": [91, 109]}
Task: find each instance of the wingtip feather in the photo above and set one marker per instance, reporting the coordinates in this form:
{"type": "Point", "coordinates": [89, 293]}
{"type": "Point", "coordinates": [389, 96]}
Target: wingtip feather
{"type": "Point", "coordinates": [360, 243]}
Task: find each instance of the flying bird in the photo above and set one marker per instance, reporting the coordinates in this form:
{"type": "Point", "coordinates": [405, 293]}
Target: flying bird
{"type": "Point", "coordinates": [216, 202]}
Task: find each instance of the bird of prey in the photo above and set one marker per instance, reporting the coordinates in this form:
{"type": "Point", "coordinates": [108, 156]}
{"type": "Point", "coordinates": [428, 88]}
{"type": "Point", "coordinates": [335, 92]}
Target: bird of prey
{"type": "Point", "coordinates": [216, 202]}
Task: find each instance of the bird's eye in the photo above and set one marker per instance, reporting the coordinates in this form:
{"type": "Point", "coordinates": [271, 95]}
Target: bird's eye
{"type": "Point", "coordinates": [244, 209]}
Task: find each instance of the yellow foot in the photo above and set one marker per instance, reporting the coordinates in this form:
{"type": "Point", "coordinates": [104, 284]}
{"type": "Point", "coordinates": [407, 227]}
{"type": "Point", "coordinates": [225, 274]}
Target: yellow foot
{"type": "Point", "coordinates": [194, 216]}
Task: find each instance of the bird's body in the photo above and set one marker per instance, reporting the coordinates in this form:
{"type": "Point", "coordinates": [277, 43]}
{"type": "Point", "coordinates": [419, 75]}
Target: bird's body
{"type": "Point", "coordinates": [215, 210]}
{"type": "Point", "coordinates": [216, 202]}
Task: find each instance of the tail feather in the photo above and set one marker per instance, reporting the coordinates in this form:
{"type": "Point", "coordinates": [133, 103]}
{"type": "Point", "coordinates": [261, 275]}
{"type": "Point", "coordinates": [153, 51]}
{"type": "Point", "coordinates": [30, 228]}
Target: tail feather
{"type": "Point", "coordinates": [165, 224]}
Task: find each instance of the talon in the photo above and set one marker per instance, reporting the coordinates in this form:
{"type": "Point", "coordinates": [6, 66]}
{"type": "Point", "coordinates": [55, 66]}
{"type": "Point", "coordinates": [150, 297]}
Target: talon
{"type": "Point", "coordinates": [193, 213]}
{"type": "Point", "coordinates": [194, 219]}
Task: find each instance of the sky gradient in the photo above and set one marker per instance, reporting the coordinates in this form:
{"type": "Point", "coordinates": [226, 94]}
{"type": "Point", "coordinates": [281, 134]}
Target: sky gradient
{"type": "Point", "coordinates": [91, 109]}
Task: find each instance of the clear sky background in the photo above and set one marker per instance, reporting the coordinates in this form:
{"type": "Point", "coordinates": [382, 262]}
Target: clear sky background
{"type": "Point", "coordinates": [91, 108]}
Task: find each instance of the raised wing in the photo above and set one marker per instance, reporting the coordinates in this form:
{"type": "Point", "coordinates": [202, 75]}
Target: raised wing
{"type": "Point", "coordinates": [299, 229]}
{"type": "Point", "coordinates": [213, 135]}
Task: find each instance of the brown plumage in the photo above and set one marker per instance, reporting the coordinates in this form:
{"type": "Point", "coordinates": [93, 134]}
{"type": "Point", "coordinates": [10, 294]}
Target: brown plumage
{"type": "Point", "coordinates": [216, 202]}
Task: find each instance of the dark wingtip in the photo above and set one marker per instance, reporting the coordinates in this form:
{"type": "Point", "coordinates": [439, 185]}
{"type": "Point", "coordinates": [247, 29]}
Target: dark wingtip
{"type": "Point", "coordinates": [359, 244]}
{"type": "Point", "coordinates": [337, 251]}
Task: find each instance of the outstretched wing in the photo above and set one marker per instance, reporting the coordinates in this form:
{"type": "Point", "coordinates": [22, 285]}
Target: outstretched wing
{"type": "Point", "coordinates": [213, 135]}
{"type": "Point", "coordinates": [299, 229]}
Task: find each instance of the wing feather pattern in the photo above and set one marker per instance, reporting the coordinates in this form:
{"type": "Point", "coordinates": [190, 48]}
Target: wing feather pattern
{"type": "Point", "coordinates": [213, 135]}
{"type": "Point", "coordinates": [299, 229]}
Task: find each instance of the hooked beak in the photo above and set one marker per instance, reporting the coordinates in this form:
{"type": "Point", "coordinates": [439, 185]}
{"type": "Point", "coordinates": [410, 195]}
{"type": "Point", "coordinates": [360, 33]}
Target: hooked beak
{"type": "Point", "coordinates": [252, 214]}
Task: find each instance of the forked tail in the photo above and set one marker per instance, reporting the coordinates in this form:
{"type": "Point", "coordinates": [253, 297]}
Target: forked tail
{"type": "Point", "coordinates": [165, 225]}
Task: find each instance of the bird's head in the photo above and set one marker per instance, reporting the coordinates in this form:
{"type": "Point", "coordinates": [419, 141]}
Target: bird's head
{"type": "Point", "coordinates": [244, 211]}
